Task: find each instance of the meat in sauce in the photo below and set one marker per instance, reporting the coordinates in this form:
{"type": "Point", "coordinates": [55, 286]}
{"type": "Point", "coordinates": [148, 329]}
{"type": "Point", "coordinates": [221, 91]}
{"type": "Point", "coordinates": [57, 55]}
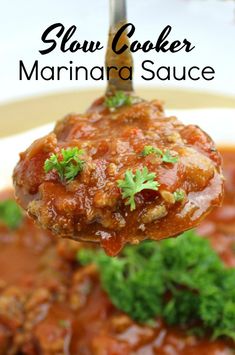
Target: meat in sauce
{"type": "Point", "coordinates": [179, 167]}
{"type": "Point", "coordinates": [49, 305]}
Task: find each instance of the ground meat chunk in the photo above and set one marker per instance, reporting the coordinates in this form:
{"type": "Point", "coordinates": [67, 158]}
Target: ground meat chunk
{"type": "Point", "coordinates": [92, 206]}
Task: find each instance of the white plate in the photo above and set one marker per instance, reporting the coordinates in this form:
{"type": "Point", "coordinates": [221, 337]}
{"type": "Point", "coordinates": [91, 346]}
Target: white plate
{"type": "Point", "coordinates": [219, 123]}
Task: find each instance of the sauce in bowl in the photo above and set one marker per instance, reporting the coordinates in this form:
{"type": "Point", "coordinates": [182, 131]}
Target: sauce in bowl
{"type": "Point", "coordinates": [51, 305]}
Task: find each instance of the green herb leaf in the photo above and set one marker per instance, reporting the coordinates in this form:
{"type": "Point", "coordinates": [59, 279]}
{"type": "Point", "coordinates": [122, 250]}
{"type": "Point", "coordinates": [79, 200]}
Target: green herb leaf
{"type": "Point", "coordinates": [63, 323]}
{"type": "Point", "coordinates": [69, 166]}
{"type": "Point", "coordinates": [199, 288]}
{"type": "Point", "coordinates": [134, 183]}
{"type": "Point", "coordinates": [166, 156]}
{"type": "Point", "coordinates": [10, 214]}
{"type": "Point", "coordinates": [179, 195]}
{"type": "Point", "coordinates": [120, 98]}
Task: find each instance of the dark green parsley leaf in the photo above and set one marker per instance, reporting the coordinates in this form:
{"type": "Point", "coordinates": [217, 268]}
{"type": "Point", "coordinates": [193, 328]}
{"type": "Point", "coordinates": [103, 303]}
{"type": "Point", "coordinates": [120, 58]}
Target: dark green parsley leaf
{"type": "Point", "coordinates": [69, 166]}
{"type": "Point", "coordinates": [186, 268]}
{"type": "Point", "coordinates": [120, 98]}
{"type": "Point", "coordinates": [10, 214]}
{"type": "Point", "coordinates": [166, 156]}
{"type": "Point", "coordinates": [134, 183]}
{"type": "Point", "coordinates": [53, 163]}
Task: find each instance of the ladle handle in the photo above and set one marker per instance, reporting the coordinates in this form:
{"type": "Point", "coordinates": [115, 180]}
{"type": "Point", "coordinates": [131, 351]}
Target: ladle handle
{"type": "Point", "coordinates": [117, 19]}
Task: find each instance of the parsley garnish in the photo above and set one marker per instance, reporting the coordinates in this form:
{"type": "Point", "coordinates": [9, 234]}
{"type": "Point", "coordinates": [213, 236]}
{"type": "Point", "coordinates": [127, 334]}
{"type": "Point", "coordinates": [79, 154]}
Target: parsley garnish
{"type": "Point", "coordinates": [69, 166]}
{"type": "Point", "coordinates": [63, 323]}
{"type": "Point", "coordinates": [149, 149]}
{"type": "Point", "coordinates": [166, 156]}
{"type": "Point", "coordinates": [179, 195]}
{"type": "Point", "coordinates": [10, 214]}
{"type": "Point", "coordinates": [119, 99]}
{"type": "Point", "coordinates": [134, 183]}
{"type": "Point", "coordinates": [199, 288]}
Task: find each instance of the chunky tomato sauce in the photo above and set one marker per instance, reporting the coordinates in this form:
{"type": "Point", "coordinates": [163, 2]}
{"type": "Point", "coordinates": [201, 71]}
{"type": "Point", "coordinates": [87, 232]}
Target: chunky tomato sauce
{"type": "Point", "coordinates": [51, 305]}
{"type": "Point", "coordinates": [91, 207]}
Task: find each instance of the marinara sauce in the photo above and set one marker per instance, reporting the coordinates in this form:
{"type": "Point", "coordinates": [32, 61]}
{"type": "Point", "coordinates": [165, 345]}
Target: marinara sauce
{"type": "Point", "coordinates": [91, 207]}
{"type": "Point", "coordinates": [49, 304]}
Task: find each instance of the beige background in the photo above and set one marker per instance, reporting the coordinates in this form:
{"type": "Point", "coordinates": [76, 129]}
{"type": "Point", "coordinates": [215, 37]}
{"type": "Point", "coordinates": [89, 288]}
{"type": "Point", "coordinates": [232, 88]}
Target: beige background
{"type": "Point", "coordinates": [19, 116]}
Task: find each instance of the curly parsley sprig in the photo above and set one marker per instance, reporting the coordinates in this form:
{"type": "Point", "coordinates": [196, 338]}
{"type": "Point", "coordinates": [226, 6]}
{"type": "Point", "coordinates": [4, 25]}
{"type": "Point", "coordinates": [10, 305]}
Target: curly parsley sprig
{"type": "Point", "coordinates": [11, 214]}
{"type": "Point", "coordinates": [166, 156]}
{"type": "Point", "coordinates": [179, 195]}
{"type": "Point", "coordinates": [134, 183]}
{"type": "Point", "coordinates": [199, 288]}
{"type": "Point", "coordinates": [120, 98]}
{"type": "Point", "coordinates": [68, 166]}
